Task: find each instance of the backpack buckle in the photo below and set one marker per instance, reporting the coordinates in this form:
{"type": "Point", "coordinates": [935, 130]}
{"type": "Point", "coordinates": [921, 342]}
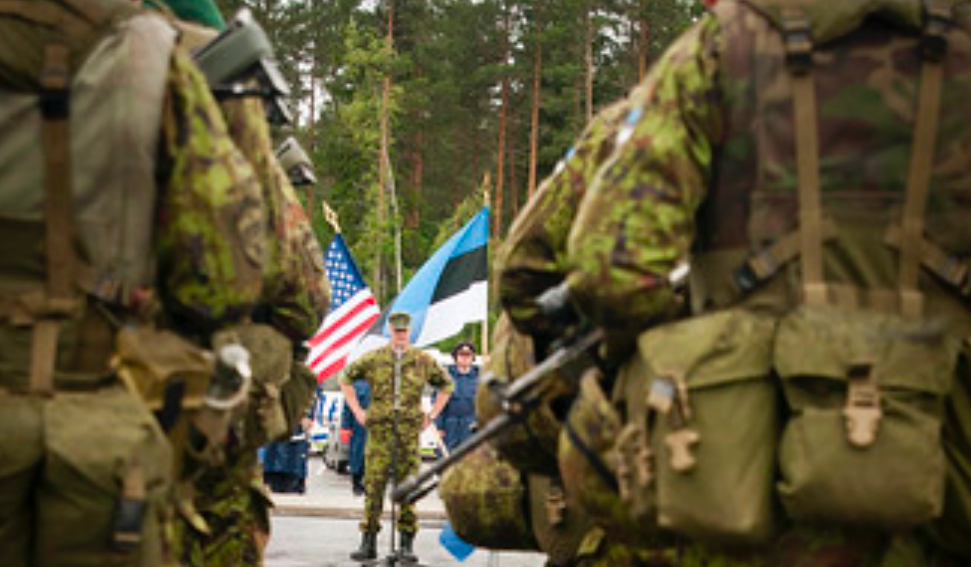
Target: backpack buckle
{"type": "Point", "coordinates": [933, 43]}
{"type": "Point", "coordinates": [798, 40]}
{"type": "Point", "coordinates": [862, 411]}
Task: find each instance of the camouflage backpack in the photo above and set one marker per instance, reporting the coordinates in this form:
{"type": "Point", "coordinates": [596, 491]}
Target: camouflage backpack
{"type": "Point", "coordinates": [817, 377]}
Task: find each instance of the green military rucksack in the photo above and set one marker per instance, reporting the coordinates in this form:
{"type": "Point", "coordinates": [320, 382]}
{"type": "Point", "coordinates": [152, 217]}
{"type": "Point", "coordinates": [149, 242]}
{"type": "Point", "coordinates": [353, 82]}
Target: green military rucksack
{"type": "Point", "coordinates": [818, 387]}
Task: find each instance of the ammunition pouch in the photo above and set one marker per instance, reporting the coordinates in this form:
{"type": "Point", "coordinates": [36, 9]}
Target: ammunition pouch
{"type": "Point", "coordinates": [866, 391]}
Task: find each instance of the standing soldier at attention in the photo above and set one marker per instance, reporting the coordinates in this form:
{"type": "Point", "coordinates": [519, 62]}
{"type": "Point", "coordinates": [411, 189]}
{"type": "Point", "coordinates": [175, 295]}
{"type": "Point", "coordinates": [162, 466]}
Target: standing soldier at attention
{"type": "Point", "coordinates": [231, 498]}
{"type": "Point", "coordinates": [809, 161]}
{"type": "Point", "coordinates": [94, 245]}
{"type": "Point", "coordinates": [397, 374]}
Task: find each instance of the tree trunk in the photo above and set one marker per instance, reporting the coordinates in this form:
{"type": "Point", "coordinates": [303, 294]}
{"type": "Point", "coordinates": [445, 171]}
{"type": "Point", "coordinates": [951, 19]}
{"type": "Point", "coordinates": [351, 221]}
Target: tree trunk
{"type": "Point", "coordinates": [383, 164]}
{"type": "Point", "coordinates": [588, 63]}
{"type": "Point", "coordinates": [534, 116]}
{"type": "Point", "coordinates": [503, 110]}
{"type": "Point", "coordinates": [642, 45]}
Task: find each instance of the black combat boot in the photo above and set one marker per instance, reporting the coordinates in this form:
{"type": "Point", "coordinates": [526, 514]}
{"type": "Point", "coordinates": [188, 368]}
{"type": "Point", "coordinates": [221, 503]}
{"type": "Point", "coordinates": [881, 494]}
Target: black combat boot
{"type": "Point", "coordinates": [406, 553]}
{"type": "Point", "coordinates": [368, 549]}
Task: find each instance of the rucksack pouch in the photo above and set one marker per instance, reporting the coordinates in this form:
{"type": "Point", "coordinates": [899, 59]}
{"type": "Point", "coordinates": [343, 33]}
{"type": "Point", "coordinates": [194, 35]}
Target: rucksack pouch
{"type": "Point", "coordinates": [713, 422]}
{"type": "Point", "coordinates": [486, 501]}
{"type": "Point", "coordinates": [866, 392]}
{"type": "Point", "coordinates": [952, 528]}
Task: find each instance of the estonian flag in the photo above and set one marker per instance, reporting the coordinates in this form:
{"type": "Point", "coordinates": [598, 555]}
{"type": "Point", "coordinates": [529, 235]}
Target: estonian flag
{"type": "Point", "coordinates": [448, 292]}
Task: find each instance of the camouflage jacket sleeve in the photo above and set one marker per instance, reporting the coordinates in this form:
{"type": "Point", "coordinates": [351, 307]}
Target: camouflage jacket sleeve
{"type": "Point", "coordinates": [358, 370]}
{"type": "Point", "coordinates": [532, 258]}
{"type": "Point", "coordinates": [295, 294]}
{"type": "Point", "coordinates": [210, 231]}
{"type": "Point", "coordinates": [637, 218]}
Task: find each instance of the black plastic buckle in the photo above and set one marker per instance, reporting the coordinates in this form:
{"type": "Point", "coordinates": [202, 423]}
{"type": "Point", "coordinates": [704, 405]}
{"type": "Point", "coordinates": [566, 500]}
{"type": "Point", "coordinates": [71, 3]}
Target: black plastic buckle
{"type": "Point", "coordinates": [55, 104]}
{"type": "Point", "coordinates": [129, 515]}
{"type": "Point", "coordinates": [798, 39]}
{"type": "Point", "coordinates": [933, 43]}
{"type": "Point", "coordinates": [745, 278]}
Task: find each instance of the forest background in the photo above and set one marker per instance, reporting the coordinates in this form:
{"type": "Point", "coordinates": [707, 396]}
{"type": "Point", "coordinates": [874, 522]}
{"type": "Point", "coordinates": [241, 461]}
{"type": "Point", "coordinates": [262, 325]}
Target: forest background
{"type": "Point", "coordinates": [412, 109]}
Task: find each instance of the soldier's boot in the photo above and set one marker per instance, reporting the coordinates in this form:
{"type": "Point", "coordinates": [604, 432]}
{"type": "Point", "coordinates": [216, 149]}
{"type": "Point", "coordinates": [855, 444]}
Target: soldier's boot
{"type": "Point", "coordinates": [368, 549]}
{"type": "Point", "coordinates": [407, 553]}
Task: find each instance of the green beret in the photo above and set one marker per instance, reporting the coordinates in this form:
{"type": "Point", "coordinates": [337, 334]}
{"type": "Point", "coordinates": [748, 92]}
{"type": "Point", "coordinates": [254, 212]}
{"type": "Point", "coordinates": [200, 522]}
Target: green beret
{"type": "Point", "coordinates": [202, 12]}
{"type": "Point", "coordinates": [399, 320]}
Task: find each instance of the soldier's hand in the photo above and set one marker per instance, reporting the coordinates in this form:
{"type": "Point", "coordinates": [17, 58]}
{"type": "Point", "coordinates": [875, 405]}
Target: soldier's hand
{"type": "Point", "coordinates": [361, 416]}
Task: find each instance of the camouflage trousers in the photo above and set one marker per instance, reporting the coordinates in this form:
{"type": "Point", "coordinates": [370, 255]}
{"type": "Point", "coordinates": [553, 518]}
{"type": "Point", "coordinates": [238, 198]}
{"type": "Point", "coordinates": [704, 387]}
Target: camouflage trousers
{"type": "Point", "coordinates": [385, 451]}
{"type": "Point", "coordinates": [235, 509]}
{"type": "Point", "coordinates": [66, 462]}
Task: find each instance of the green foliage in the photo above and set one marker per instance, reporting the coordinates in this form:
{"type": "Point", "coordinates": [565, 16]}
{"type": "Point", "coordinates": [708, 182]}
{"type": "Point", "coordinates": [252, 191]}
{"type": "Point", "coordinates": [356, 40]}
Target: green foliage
{"type": "Point", "coordinates": [446, 68]}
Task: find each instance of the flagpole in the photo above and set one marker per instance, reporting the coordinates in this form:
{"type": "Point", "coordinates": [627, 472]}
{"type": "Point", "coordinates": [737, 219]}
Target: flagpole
{"type": "Point", "coordinates": [330, 215]}
{"type": "Point", "coordinates": [485, 321]}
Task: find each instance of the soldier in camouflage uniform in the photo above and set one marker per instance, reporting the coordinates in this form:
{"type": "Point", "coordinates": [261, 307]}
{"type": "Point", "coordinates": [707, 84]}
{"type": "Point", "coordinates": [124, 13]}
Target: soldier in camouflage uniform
{"type": "Point", "coordinates": [533, 259]}
{"type": "Point", "coordinates": [705, 168]}
{"type": "Point", "coordinates": [397, 374]}
{"type": "Point", "coordinates": [84, 475]}
{"type": "Point", "coordinates": [231, 498]}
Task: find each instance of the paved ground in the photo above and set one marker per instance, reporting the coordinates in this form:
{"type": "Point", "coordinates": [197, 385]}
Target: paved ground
{"type": "Point", "coordinates": [319, 529]}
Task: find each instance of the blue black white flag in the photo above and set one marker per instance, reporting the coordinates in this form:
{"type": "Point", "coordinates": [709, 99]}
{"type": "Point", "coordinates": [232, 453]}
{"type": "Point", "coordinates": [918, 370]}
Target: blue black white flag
{"type": "Point", "coordinates": [448, 292]}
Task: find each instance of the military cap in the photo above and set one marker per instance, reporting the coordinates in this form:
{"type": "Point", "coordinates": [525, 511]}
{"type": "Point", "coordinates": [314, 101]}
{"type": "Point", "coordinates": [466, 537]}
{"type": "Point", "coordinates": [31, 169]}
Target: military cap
{"type": "Point", "coordinates": [399, 320]}
{"type": "Point", "coordinates": [464, 345]}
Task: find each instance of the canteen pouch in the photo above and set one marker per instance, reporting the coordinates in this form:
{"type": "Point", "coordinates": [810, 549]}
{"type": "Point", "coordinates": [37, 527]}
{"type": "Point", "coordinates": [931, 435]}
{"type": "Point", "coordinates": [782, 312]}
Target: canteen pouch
{"type": "Point", "coordinates": [486, 502]}
{"type": "Point", "coordinates": [866, 393]}
{"type": "Point", "coordinates": [703, 395]}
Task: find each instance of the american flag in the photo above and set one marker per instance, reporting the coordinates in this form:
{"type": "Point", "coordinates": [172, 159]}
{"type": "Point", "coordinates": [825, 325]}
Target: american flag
{"type": "Point", "coordinates": [352, 311]}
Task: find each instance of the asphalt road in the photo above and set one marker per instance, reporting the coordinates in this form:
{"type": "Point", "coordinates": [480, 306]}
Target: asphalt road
{"type": "Point", "coordinates": [319, 529]}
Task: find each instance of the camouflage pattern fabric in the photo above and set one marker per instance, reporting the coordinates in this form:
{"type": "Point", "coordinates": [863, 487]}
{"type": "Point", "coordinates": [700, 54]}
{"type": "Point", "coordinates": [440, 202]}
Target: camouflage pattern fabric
{"type": "Point", "coordinates": [417, 369]}
{"type": "Point", "coordinates": [533, 255]}
{"type": "Point", "coordinates": [389, 448]}
{"type": "Point", "coordinates": [378, 369]}
{"type": "Point", "coordinates": [210, 234]}
{"type": "Point", "coordinates": [295, 290]}
{"type": "Point", "coordinates": [209, 251]}
{"type": "Point", "coordinates": [485, 498]}
{"type": "Point", "coordinates": [701, 139]}
{"type": "Point", "coordinates": [235, 507]}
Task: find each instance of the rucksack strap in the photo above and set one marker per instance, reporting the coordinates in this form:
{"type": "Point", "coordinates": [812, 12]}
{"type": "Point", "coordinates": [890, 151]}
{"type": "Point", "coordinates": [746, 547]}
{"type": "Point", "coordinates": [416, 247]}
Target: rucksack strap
{"type": "Point", "coordinates": [61, 301]}
{"type": "Point", "coordinates": [797, 38]}
{"type": "Point", "coordinates": [934, 47]}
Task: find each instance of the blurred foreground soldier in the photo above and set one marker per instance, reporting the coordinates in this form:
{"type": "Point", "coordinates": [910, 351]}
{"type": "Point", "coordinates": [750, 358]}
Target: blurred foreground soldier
{"type": "Point", "coordinates": [533, 259]}
{"type": "Point", "coordinates": [95, 247]}
{"type": "Point", "coordinates": [231, 498]}
{"type": "Point", "coordinates": [813, 409]}
{"type": "Point", "coordinates": [397, 374]}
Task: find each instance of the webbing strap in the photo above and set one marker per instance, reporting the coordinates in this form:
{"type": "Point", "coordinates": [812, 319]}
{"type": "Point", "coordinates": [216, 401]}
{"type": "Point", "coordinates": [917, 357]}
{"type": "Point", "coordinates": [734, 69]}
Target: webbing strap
{"type": "Point", "coordinates": [54, 101]}
{"type": "Point", "coordinates": [798, 44]}
{"type": "Point", "coordinates": [918, 183]}
{"type": "Point", "coordinates": [46, 14]}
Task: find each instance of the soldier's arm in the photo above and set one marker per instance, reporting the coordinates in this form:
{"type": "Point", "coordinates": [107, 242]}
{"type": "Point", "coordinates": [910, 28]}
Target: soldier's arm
{"type": "Point", "coordinates": [637, 218]}
{"type": "Point", "coordinates": [296, 294]}
{"type": "Point", "coordinates": [210, 230]}
{"type": "Point", "coordinates": [532, 258]}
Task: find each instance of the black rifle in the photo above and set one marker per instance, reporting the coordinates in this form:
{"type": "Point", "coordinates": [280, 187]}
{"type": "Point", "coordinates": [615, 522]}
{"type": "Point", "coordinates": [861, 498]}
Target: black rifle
{"type": "Point", "coordinates": [518, 400]}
